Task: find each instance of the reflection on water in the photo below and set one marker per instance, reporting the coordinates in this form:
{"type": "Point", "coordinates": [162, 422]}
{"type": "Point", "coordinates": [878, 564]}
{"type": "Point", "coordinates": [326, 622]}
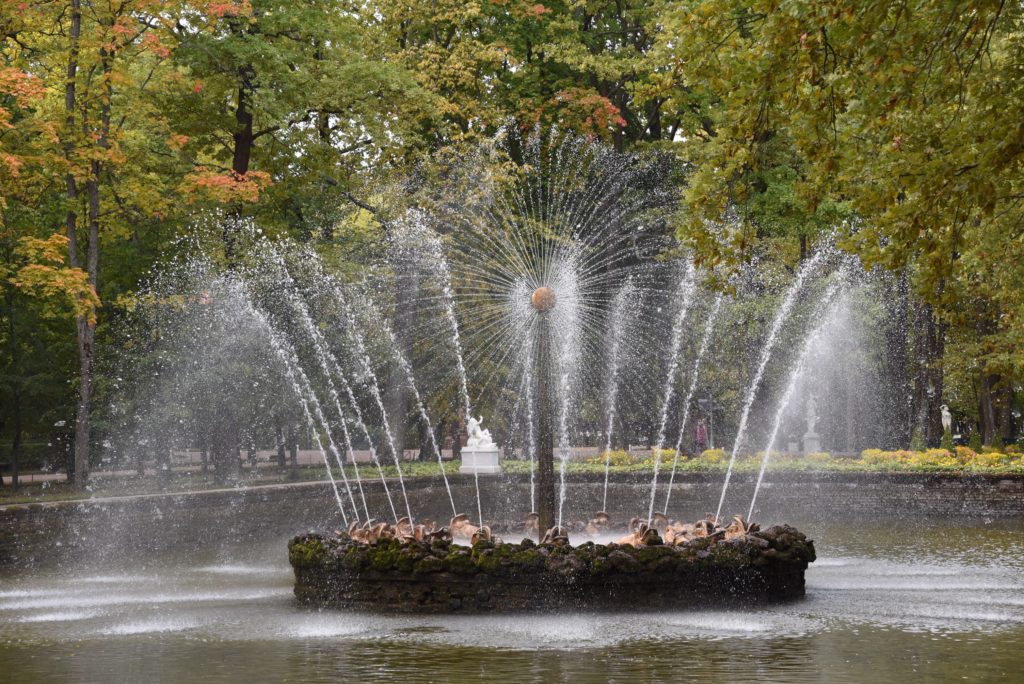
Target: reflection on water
{"type": "Point", "coordinates": [932, 602]}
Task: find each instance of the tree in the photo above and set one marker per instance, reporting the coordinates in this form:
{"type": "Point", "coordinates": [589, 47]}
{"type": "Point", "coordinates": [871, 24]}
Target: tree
{"type": "Point", "coordinates": [285, 103]}
{"type": "Point", "coordinates": [579, 65]}
{"type": "Point", "coordinates": [906, 112]}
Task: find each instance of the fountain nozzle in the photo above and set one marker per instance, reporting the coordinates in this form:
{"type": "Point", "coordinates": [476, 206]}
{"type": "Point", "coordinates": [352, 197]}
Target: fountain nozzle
{"type": "Point", "coordinates": [543, 299]}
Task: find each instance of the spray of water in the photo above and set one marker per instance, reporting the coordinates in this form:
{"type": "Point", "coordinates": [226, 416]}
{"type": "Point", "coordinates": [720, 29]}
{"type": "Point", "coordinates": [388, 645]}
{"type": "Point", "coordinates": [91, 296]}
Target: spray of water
{"type": "Point", "coordinates": [449, 309]}
{"type": "Point", "coordinates": [619, 310]}
{"type": "Point", "coordinates": [694, 376]}
{"type": "Point", "coordinates": [326, 361]}
{"type": "Point", "coordinates": [685, 298]}
{"type": "Point", "coordinates": [781, 316]}
{"type": "Point", "coordinates": [794, 377]}
{"type": "Point", "coordinates": [307, 399]}
{"type": "Point", "coordinates": [421, 409]}
{"type": "Point", "coordinates": [364, 360]}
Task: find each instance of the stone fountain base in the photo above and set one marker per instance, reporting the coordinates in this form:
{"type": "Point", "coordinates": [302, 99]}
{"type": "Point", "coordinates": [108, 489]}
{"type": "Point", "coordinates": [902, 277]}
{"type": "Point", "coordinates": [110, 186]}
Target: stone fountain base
{"type": "Point", "coordinates": [419, 577]}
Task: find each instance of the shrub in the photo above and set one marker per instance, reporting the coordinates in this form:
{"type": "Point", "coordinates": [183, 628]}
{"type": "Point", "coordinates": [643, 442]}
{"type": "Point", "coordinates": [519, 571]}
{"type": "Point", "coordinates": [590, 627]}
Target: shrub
{"type": "Point", "coordinates": [616, 457]}
{"type": "Point", "coordinates": [975, 441]}
{"type": "Point", "coordinates": [947, 441]}
{"type": "Point", "coordinates": [876, 456]}
{"type": "Point", "coordinates": [990, 459]}
{"type": "Point", "coordinates": [933, 458]}
{"type": "Point", "coordinates": [819, 457]}
{"type": "Point", "coordinates": [664, 456]}
{"type": "Point", "coordinates": [965, 454]}
{"type": "Point", "coordinates": [713, 456]}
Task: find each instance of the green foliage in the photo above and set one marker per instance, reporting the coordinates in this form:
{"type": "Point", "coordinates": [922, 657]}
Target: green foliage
{"type": "Point", "coordinates": [975, 441]}
{"type": "Point", "coordinates": [917, 440]}
{"type": "Point", "coordinates": [614, 458]}
{"type": "Point", "coordinates": [947, 440]}
{"type": "Point", "coordinates": [896, 123]}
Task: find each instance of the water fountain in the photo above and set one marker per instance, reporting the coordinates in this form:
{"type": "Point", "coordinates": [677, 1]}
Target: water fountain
{"type": "Point", "coordinates": [530, 271]}
{"type": "Point", "coordinates": [406, 568]}
{"type": "Point", "coordinates": [525, 293]}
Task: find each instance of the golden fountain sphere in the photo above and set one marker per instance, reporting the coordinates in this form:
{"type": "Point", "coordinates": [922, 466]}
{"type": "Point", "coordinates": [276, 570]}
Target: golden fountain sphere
{"type": "Point", "coordinates": [543, 299]}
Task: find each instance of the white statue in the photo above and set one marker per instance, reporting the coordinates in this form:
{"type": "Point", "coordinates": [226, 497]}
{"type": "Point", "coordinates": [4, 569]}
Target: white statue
{"type": "Point", "coordinates": [812, 414]}
{"type": "Point", "coordinates": [478, 438]}
{"type": "Point", "coordinates": [947, 419]}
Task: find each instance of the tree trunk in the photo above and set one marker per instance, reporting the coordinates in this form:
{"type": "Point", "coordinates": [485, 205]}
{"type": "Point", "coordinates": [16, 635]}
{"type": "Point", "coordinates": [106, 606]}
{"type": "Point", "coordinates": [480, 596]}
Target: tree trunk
{"type": "Point", "coordinates": [16, 442]}
{"type": "Point", "coordinates": [457, 427]}
{"type": "Point", "coordinates": [928, 378]}
{"type": "Point", "coordinates": [1005, 413]}
{"type": "Point", "coordinates": [896, 364]}
{"type": "Point", "coordinates": [987, 409]}
{"type": "Point", "coordinates": [224, 452]}
{"type": "Point", "coordinates": [936, 379]}
{"type": "Point", "coordinates": [85, 330]}
{"type": "Point", "coordinates": [15, 355]}
{"type": "Point", "coordinates": [86, 327]}
{"type": "Point", "coordinates": [282, 457]}
{"type": "Point", "coordinates": [293, 446]}
{"type": "Point", "coordinates": [243, 139]}
{"type": "Point", "coordinates": [426, 453]}
{"type": "Point", "coordinates": [851, 414]}
{"type": "Point", "coordinates": [654, 117]}
{"type": "Point", "coordinates": [406, 287]}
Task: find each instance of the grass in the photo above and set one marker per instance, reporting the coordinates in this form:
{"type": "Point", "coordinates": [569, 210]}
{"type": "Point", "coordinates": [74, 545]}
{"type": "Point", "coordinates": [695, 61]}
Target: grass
{"type": "Point", "coordinates": [874, 461]}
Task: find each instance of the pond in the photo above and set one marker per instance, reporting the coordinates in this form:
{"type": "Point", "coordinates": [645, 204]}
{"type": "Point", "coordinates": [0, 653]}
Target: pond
{"type": "Point", "coordinates": [886, 602]}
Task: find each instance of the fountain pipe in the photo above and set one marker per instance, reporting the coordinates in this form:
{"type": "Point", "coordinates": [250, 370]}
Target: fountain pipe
{"type": "Point", "coordinates": [543, 300]}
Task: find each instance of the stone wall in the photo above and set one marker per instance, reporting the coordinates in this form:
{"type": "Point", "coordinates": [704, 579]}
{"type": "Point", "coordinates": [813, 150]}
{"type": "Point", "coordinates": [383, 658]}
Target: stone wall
{"type": "Point", "coordinates": [439, 577]}
{"type": "Point", "coordinates": [69, 532]}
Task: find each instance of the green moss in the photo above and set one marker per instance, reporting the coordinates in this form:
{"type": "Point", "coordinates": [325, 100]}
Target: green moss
{"type": "Point", "coordinates": [528, 559]}
{"type": "Point", "coordinates": [649, 554]}
{"type": "Point", "coordinates": [306, 552]}
{"type": "Point", "coordinates": [488, 563]}
{"type": "Point", "coordinates": [460, 563]}
{"type": "Point", "coordinates": [389, 555]}
{"type": "Point", "coordinates": [428, 564]}
{"type": "Point", "coordinates": [777, 545]}
{"type": "Point", "coordinates": [355, 559]}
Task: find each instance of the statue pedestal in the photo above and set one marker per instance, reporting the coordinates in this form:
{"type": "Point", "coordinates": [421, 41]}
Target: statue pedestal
{"type": "Point", "coordinates": [480, 460]}
{"type": "Point", "coordinates": [812, 442]}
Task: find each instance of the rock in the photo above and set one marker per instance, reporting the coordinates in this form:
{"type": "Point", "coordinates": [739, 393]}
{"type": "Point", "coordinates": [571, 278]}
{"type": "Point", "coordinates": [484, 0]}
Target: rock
{"type": "Point", "coordinates": [416, 576]}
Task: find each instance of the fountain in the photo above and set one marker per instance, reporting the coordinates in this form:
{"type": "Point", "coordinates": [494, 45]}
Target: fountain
{"type": "Point", "coordinates": [659, 564]}
{"type": "Point", "coordinates": [557, 304]}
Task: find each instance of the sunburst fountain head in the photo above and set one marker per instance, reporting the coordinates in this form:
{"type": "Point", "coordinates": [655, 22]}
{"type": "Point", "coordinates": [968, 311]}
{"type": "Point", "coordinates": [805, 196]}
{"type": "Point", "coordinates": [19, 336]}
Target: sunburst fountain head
{"type": "Point", "coordinates": [543, 299]}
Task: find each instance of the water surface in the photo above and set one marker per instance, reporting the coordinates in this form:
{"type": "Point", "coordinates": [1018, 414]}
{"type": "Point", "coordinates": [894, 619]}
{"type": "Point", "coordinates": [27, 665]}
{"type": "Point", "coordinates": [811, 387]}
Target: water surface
{"type": "Point", "coordinates": [885, 603]}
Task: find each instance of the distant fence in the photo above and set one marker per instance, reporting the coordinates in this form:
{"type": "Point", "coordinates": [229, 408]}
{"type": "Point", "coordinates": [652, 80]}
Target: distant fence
{"type": "Point", "coordinates": [303, 456]}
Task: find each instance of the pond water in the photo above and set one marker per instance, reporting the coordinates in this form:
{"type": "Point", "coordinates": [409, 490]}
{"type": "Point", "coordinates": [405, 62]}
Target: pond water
{"type": "Point", "coordinates": [885, 603]}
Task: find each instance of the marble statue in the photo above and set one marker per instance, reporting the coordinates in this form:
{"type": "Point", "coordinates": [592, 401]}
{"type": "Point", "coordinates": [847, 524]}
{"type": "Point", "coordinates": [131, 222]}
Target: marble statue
{"type": "Point", "coordinates": [477, 437]}
{"type": "Point", "coordinates": [812, 414]}
{"type": "Point", "coordinates": [480, 455]}
{"type": "Point", "coordinates": [947, 419]}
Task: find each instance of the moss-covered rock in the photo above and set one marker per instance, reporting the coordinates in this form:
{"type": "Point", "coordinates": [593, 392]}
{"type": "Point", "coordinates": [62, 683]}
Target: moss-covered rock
{"type": "Point", "coordinates": [440, 576]}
